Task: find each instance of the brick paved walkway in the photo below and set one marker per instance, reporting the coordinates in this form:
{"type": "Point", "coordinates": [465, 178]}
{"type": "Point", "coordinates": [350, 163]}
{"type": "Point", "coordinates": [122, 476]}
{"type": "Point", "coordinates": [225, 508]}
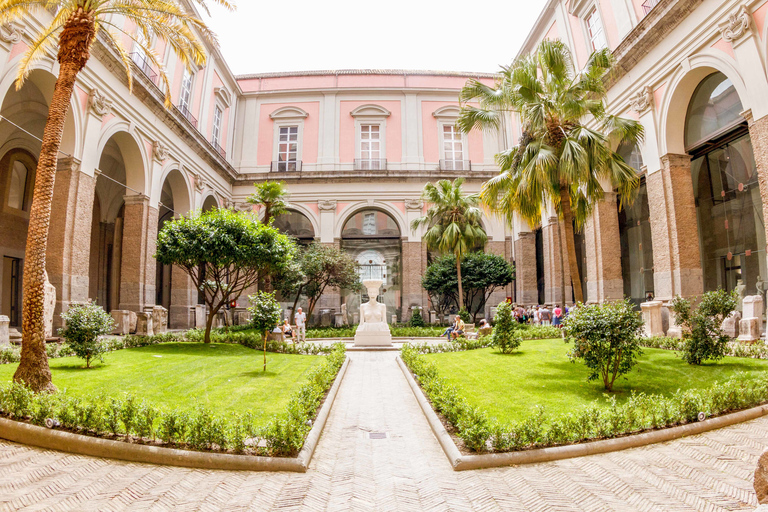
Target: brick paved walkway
{"type": "Point", "coordinates": [404, 471]}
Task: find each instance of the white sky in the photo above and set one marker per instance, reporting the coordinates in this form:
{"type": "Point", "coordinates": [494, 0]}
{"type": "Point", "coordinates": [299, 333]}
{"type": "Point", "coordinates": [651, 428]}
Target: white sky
{"type": "Point", "coordinates": [302, 35]}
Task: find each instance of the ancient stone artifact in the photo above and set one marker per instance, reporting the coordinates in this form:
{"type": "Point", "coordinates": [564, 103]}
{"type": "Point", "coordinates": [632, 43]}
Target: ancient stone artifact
{"type": "Point", "coordinates": [373, 329]}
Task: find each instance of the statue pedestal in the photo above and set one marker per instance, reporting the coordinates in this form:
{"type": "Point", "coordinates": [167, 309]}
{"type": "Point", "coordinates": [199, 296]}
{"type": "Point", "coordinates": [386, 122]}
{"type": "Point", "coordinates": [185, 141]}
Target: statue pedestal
{"type": "Point", "coordinates": [373, 339]}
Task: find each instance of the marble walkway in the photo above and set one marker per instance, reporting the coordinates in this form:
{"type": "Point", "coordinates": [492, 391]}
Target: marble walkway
{"type": "Point", "coordinates": [400, 467]}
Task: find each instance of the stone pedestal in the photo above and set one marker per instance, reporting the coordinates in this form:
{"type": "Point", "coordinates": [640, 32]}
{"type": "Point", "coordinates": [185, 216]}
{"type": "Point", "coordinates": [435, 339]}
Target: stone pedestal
{"type": "Point", "coordinates": [731, 324]}
{"type": "Point", "coordinates": [752, 322]}
{"type": "Point", "coordinates": [433, 319]}
{"type": "Point", "coordinates": [14, 335]}
{"type": "Point", "coordinates": [200, 316]}
{"type": "Point", "coordinates": [122, 319]}
{"type": "Point", "coordinates": [5, 337]}
{"type": "Point", "coordinates": [652, 318]}
{"type": "Point", "coordinates": [133, 321]}
{"type": "Point", "coordinates": [144, 325]}
{"type": "Point", "coordinates": [241, 316]}
{"type": "Point", "coordinates": [219, 320]}
{"type": "Point", "coordinates": [673, 330]}
{"type": "Point", "coordinates": [49, 306]}
{"type": "Point", "coordinates": [159, 319]}
{"type": "Point", "coordinates": [338, 320]}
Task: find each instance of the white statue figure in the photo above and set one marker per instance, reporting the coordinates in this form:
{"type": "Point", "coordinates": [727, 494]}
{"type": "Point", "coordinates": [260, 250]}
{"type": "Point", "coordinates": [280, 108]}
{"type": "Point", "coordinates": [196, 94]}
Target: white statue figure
{"type": "Point", "coordinates": [740, 291]}
{"type": "Point", "coordinates": [373, 329]}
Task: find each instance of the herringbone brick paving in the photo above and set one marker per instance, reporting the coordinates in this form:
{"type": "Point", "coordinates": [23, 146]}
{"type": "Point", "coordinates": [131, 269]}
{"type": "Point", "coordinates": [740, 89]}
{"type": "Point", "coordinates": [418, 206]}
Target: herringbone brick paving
{"type": "Point", "coordinates": [404, 471]}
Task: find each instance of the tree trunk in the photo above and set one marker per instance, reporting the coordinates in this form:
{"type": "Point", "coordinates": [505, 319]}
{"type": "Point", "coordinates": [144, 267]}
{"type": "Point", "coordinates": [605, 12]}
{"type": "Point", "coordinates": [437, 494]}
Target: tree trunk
{"type": "Point", "coordinates": [209, 324]}
{"type": "Point", "coordinates": [570, 243]}
{"type": "Point", "coordinates": [265, 352]}
{"type": "Point", "coordinates": [74, 47]}
{"type": "Point", "coordinates": [461, 290]}
{"type": "Point", "coordinates": [296, 303]}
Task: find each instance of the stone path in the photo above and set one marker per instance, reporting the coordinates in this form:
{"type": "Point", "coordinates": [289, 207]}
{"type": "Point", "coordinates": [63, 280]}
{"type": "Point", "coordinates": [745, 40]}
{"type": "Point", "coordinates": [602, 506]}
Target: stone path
{"type": "Point", "coordinates": [406, 470]}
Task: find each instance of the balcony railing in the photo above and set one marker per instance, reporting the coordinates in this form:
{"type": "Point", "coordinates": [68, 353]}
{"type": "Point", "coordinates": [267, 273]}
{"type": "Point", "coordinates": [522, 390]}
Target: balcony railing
{"type": "Point", "coordinates": [370, 164]}
{"type": "Point", "coordinates": [184, 110]}
{"type": "Point", "coordinates": [455, 165]}
{"type": "Point", "coordinates": [286, 166]}
{"type": "Point", "coordinates": [142, 62]}
{"type": "Point", "coordinates": [219, 149]}
{"type": "Point", "coordinates": [649, 4]}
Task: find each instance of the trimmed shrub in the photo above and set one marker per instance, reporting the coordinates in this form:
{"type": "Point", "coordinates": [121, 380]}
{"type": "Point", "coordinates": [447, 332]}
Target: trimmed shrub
{"type": "Point", "coordinates": [505, 337]}
{"type": "Point", "coordinates": [704, 339]}
{"type": "Point", "coordinates": [606, 337]}
{"type": "Point", "coordinates": [416, 319]}
{"type": "Point", "coordinates": [84, 325]}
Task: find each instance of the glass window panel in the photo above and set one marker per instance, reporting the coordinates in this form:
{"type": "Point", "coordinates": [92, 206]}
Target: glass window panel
{"type": "Point", "coordinates": [715, 105]}
{"type": "Point", "coordinates": [18, 190]}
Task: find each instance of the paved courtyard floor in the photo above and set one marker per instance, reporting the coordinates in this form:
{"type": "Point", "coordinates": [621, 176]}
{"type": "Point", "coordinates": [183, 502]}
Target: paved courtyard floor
{"type": "Point", "coordinates": [405, 470]}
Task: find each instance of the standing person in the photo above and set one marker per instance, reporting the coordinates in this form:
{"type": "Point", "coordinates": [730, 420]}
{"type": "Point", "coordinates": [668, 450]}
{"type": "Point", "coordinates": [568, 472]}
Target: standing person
{"type": "Point", "coordinates": [557, 316]}
{"type": "Point", "coordinates": [546, 315]}
{"type": "Point", "coordinates": [301, 325]}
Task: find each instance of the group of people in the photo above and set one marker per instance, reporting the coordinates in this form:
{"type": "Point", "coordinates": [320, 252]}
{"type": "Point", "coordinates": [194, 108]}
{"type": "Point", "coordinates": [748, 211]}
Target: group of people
{"type": "Point", "coordinates": [287, 331]}
{"type": "Point", "coordinates": [540, 315]}
{"type": "Point", "coordinates": [457, 328]}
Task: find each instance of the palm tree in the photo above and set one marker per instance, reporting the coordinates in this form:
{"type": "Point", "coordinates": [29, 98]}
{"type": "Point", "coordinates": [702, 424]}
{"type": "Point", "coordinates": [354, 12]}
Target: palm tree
{"type": "Point", "coordinates": [73, 29]}
{"type": "Point", "coordinates": [453, 221]}
{"type": "Point", "coordinates": [273, 196]}
{"type": "Point", "coordinates": [565, 150]}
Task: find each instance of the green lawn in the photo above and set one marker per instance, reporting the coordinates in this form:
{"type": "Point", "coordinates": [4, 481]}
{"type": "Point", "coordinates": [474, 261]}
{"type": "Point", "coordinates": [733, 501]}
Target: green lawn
{"type": "Point", "coordinates": [508, 387]}
{"type": "Point", "coordinates": [223, 377]}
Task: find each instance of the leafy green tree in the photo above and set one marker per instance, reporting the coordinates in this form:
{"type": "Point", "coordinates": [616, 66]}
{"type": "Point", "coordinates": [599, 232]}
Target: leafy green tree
{"type": "Point", "coordinates": [452, 221]}
{"type": "Point", "coordinates": [319, 267]}
{"type": "Point", "coordinates": [704, 338]}
{"type": "Point", "coordinates": [223, 252]}
{"type": "Point", "coordinates": [606, 337]}
{"type": "Point", "coordinates": [565, 152]}
{"type": "Point", "coordinates": [84, 325]}
{"type": "Point", "coordinates": [416, 319]}
{"type": "Point", "coordinates": [70, 33]}
{"type": "Point", "coordinates": [506, 336]}
{"type": "Point", "coordinates": [483, 274]}
{"type": "Point", "coordinates": [265, 316]}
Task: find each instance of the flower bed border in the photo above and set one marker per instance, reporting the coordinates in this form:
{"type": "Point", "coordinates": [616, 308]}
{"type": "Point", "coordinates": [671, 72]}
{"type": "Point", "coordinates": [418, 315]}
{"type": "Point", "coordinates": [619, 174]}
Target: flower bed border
{"type": "Point", "coordinates": [32, 435]}
{"type": "Point", "coordinates": [461, 462]}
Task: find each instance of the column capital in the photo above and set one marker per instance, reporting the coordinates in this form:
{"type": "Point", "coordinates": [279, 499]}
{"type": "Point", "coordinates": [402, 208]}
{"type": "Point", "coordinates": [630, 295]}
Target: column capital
{"type": "Point", "coordinates": [68, 163]}
{"type": "Point", "coordinates": [673, 160]}
{"type": "Point", "coordinates": [136, 199]}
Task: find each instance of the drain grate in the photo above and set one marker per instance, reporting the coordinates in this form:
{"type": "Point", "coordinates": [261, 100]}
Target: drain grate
{"type": "Point", "coordinates": [377, 435]}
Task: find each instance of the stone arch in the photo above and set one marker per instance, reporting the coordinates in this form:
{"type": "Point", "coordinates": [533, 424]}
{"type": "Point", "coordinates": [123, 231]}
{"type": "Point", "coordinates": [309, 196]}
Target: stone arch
{"type": "Point", "coordinates": [677, 96]}
{"type": "Point", "coordinates": [42, 78]}
{"type": "Point", "coordinates": [180, 186]}
{"type": "Point", "coordinates": [136, 161]}
{"type": "Point", "coordinates": [209, 202]}
{"type": "Point", "coordinates": [347, 213]}
{"type": "Point", "coordinates": [309, 214]}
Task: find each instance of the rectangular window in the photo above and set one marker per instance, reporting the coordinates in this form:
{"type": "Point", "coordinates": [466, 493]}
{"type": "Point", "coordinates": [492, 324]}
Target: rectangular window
{"type": "Point", "coordinates": [369, 224]}
{"type": "Point", "coordinates": [596, 33]}
{"type": "Point", "coordinates": [370, 147]}
{"type": "Point", "coordinates": [186, 92]}
{"type": "Point", "coordinates": [453, 148]}
{"type": "Point", "coordinates": [288, 148]}
{"type": "Point", "coordinates": [216, 133]}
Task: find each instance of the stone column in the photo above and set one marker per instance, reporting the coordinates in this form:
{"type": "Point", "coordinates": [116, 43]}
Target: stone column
{"type": "Point", "coordinates": [69, 235]}
{"type": "Point", "coordinates": [603, 258]}
{"type": "Point", "coordinates": [499, 295]}
{"type": "Point", "coordinates": [674, 229]}
{"type": "Point", "coordinates": [413, 270]}
{"type": "Point", "coordinates": [183, 300]}
{"type": "Point", "coordinates": [525, 268]}
{"type": "Point", "coordinates": [557, 274]}
{"type": "Point", "coordinates": [137, 269]}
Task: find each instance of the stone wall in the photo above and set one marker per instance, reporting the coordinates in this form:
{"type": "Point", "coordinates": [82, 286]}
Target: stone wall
{"type": "Point", "coordinates": [525, 263]}
{"type": "Point", "coordinates": [603, 262]}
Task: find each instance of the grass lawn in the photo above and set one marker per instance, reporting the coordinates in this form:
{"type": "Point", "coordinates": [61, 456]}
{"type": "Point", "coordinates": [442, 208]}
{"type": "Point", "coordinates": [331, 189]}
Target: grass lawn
{"type": "Point", "coordinates": [509, 386]}
{"type": "Point", "coordinates": [223, 377]}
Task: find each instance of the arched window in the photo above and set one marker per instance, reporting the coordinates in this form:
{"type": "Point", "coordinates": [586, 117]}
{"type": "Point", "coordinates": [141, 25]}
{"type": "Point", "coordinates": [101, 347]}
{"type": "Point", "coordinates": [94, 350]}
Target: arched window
{"type": "Point", "coordinates": [21, 180]}
{"type": "Point", "coordinates": [297, 225]}
{"type": "Point", "coordinates": [724, 176]}
{"type": "Point", "coordinates": [715, 108]}
{"type": "Point", "coordinates": [373, 238]}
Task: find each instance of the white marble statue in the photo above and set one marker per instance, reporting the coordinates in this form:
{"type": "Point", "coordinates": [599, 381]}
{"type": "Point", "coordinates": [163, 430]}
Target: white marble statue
{"type": "Point", "coordinates": [373, 329]}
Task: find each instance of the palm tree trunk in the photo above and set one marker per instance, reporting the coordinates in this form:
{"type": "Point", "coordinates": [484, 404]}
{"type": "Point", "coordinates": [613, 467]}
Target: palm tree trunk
{"type": "Point", "coordinates": [74, 47]}
{"type": "Point", "coordinates": [461, 289]}
{"type": "Point", "coordinates": [570, 243]}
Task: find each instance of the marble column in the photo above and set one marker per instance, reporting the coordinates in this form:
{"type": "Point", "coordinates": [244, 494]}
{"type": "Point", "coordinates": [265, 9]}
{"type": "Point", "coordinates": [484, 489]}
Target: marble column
{"type": "Point", "coordinates": [557, 274]}
{"type": "Point", "coordinates": [183, 299]}
{"type": "Point", "coordinates": [527, 291]}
